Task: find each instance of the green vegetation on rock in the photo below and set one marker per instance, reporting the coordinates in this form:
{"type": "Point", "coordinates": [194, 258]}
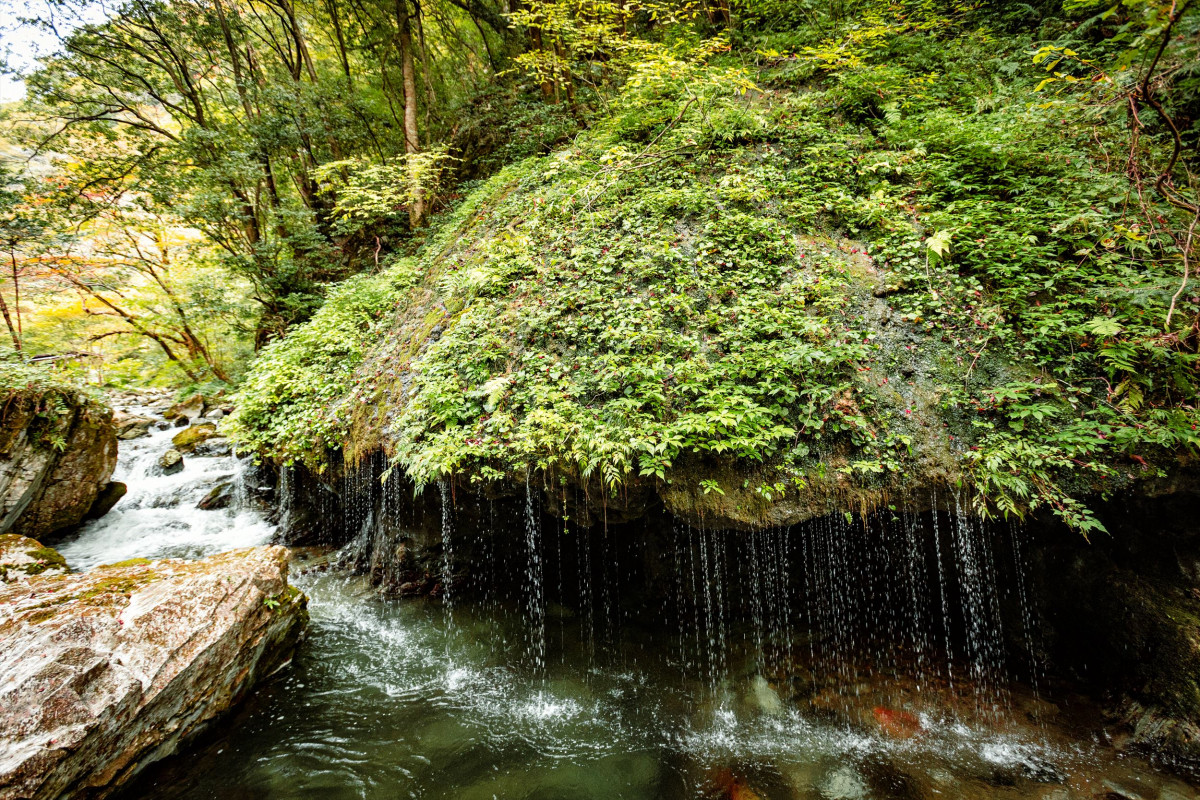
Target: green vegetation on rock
{"type": "Point", "coordinates": [821, 252]}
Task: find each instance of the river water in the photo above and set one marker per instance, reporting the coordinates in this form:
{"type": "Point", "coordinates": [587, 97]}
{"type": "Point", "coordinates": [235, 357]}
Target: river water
{"type": "Point", "coordinates": [399, 699]}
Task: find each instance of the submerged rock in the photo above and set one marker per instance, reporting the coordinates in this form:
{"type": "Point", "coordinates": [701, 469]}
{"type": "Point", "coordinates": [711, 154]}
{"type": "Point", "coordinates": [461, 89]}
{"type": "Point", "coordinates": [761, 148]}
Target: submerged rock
{"type": "Point", "coordinates": [844, 783]}
{"type": "Point", "coordinates": [106, 672]}
{"type": "Point", "coordinates": [759, 698]}
{"type": "Point", "coordinates": [21, 558]}
{"type": "Point", "coordinates": [58, 448]}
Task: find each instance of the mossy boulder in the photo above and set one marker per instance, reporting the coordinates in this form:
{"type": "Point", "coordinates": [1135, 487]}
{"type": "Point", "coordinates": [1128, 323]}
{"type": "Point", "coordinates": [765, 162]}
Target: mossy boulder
{"type": "Point", "coordinates": [757, 309]}
{"type": "Point", "coordinates": [58, 449]}
{"type": "Point", "coordinates": [187, 439]}
{"type": "Point", "coordinates": [106, 672]}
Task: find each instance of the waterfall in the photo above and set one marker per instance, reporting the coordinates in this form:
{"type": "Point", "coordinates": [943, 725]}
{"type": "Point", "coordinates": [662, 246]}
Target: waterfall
{"type": "Point", "coordinates": [843, 604]}
{"type": "Point", "coordinates": [286, 497]}
{"type": "Point", "coordinates": [980, 605]}
{"type": "Point", "coordinates": [943, 595]}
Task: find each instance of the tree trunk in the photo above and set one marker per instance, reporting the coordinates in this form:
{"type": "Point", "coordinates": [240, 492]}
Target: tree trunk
{"type": "Point", "coordinates": [16, 278]}
{"type": "Point", "coordinates": [412, 141]}
{"type": "Point", "coordinates": [16, 339]}
{"type": "Point", "coordinates": [536, 43]}
{"type": "Point", "coordinates": [341, 41]}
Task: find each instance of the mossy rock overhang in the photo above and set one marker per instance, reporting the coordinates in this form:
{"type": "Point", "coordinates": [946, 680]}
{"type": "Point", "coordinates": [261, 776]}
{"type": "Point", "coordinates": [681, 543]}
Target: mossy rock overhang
{"type": "Point", "coordinates": [894, 387]}
{"type": "Point", "coordinates": [732, 327]}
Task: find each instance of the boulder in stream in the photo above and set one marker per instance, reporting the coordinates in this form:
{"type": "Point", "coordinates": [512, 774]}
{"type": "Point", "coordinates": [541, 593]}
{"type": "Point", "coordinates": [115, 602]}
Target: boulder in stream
{"type": "Point", "coordinates": [170, 462]}
{"type": "Point", "coordinates": [186, 440]}
{"type": "Point", "coordinates": [189, 409]}
{"type": "Point", "coordinates": [105, 672]}
{"type": "Point", "coordinates": [132, 427]}
{"type": "Point", "coordinates": [221, 496]}
{"type": "Point", "coordinates": [58, 449]}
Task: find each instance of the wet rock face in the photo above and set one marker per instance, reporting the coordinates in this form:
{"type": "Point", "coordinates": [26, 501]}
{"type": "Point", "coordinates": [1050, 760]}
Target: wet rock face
{"type": "Point", "coordinates": [1122, 613]}
{"type": "Point", "coordinates": [105, 672]}
{"type": "Point", "coordinates": [56, 456]}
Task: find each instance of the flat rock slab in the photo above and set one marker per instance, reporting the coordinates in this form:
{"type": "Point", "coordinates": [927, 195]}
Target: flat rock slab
{"type": "Point", "coordinates": [105, 672]}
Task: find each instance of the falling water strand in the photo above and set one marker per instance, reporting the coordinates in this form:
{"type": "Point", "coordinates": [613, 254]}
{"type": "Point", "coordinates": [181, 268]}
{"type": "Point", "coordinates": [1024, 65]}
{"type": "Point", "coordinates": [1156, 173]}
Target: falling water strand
{"type": "Point", "coordinates": [1027, 621]}
{"type": "Point", "coordinates": [447, 556]}
{"type": "Point", "coordinates": [285, 497]}
{"type": "Point", "coordinates": [694, 572]}
{"type": "Point", "coordinates": [562, 620]}
{"type": "Point", "coordinates": [535, 604]}
{"type": "Point", "coordinates": [718, 550]}
{"type": "Point", "coordinates": [809, 600]}
{"type": "Point", "coordinates": [785, 543]}
{"type": "Point", "coordinates": [981, 628]}
{"type": "Point", "coordinates": [680, 600]}
{"type": "Point", "coordinates": [756, 603]}
{"type": "Point", "coordinates": [916, 580]}
{"type": "Point", "coordinates": [706, 584]}
{"type": "Point", "coordinates": [942, 594]}
{"type": "Point", "coordinates": [587, 595]}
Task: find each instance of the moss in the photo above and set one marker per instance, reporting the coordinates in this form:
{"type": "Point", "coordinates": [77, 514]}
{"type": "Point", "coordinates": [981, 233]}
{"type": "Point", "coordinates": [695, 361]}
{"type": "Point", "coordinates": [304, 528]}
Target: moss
{"type": "Point", "coordinates": [39, 616]}
{"type": "Point", "coordinates": [130, 562]}
{"type": "Point", "coordinates": [285, 599]}
{"type": "Point", "coordinates": [186, 440]}
{"type": "Point", "coordinates": [114, 586]}
{"type": "Point", "coordinates": [48, 558]}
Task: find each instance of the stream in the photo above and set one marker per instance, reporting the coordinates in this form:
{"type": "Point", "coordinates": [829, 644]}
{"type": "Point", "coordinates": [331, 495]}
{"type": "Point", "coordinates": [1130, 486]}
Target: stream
{"type": "Point", "coordinates": [419, 698]}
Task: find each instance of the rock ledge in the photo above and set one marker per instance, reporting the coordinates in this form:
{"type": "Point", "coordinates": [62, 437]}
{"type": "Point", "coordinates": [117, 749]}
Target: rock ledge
{"type": "Point", "coordinates": [106, 672]}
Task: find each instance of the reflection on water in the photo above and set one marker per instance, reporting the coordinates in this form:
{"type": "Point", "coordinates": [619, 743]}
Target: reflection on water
{"type": "Point", "coordinates": [382, 703]}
